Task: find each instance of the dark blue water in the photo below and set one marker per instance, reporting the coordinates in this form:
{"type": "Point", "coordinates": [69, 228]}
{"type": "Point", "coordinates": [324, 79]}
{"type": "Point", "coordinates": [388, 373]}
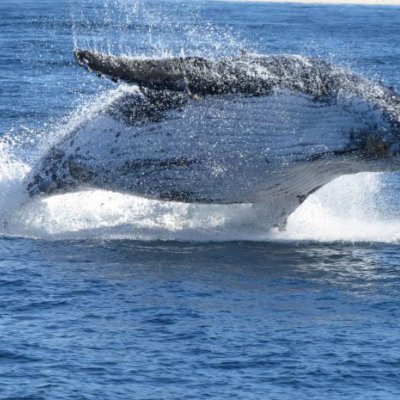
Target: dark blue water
{"type": "Point", "coordinates": [85, 315]}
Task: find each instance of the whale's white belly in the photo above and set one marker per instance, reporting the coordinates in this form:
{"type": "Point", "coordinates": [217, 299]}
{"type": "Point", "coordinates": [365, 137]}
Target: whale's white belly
{"type": "Point", "coordinates": [223, 149]}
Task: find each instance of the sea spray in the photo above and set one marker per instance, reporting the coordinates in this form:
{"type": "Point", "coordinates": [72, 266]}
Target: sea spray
{"type": "Point", "coordinates": [154, 29]}
{"type": "Point", "coordinates": [348, 209]}
{"type": "Point", "coordinates": [12, 174]}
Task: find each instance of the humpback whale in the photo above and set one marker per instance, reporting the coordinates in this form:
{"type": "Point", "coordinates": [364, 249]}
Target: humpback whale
{"type": "Point", "coordinates": [268, 130]}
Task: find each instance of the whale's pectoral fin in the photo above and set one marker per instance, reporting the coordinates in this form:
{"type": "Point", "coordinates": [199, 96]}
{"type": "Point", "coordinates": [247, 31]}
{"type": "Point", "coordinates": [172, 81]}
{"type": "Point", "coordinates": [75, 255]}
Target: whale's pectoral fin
{"type": "Point", "coordinates": [275, 209]}
{"type": "Point", "coordinates": [275, 212]}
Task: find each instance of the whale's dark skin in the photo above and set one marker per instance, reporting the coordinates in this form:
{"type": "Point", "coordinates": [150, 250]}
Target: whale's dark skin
{"type": "Point", "coordinates": [202, 77]}
{"type": "Point", "coordinates": [267, 130]}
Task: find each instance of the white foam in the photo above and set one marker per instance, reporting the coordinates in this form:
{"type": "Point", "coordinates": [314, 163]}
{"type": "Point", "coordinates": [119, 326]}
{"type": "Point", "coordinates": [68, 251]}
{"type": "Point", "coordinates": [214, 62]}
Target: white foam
{"type": "Point", "coordinates": [12, 173]}
{"type": "Point", "coordinates": [345, 210]}
{"type": "Point", "coordinates": [106, 215]}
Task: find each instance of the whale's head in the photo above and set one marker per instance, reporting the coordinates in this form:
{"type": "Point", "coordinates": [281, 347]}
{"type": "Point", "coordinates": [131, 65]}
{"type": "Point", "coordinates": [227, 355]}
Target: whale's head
{"type": "Point", "coordinates": [194, 75]}
{"type": "Point", "coordinates": [169, 74]}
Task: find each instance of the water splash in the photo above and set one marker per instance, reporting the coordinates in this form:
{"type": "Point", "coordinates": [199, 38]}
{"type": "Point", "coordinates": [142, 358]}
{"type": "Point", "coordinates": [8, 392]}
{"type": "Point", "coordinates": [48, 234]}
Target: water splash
{"type": "Point", "coordinates": [351, 208]}
{"type": "Point", "coordinates": [150, 28]}
{"type": "Point", "coordinates": [12, 173]}
{"type": "Point", "coordinates": [345, 210]}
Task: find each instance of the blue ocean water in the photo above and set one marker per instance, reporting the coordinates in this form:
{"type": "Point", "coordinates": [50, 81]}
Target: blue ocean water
{"type": "Point", "coordinates": [105, 296]}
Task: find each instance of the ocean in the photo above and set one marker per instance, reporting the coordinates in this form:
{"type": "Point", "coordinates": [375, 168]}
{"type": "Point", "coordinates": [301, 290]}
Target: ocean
{"type": "Point", "coordinates": [110, 296]}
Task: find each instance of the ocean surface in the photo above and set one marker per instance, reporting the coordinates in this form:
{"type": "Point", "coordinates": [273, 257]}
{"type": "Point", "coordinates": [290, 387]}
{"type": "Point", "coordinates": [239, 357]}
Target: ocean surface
{"type": "Point", "coordinates": [109, 296]}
